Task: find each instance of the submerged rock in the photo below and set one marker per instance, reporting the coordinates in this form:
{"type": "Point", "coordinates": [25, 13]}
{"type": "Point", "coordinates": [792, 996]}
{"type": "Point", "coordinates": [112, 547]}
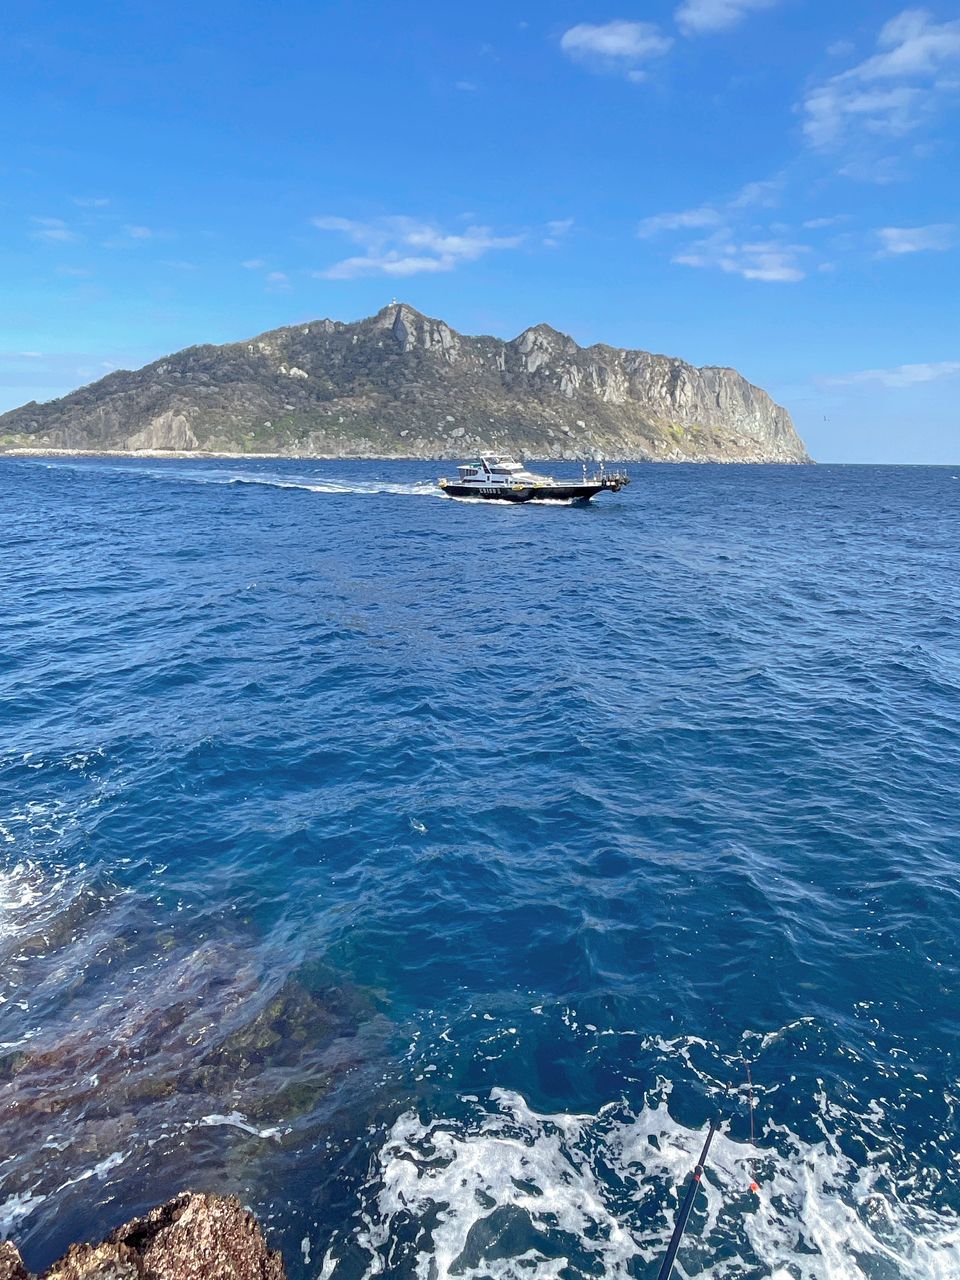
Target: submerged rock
{"type": "Point", "coordinates": [191, 1237]}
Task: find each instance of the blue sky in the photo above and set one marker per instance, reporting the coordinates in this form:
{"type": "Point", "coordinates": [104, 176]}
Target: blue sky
{"type": "Point", "coordinates": [769, 184]}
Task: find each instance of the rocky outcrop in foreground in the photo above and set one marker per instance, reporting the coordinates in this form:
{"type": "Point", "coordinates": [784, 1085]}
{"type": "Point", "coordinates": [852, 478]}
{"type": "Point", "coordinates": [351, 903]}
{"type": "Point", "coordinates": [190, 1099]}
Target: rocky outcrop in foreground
{"type": "Point", "coordinates": [191, 1237]}
{"type": "Point", "coordinates": [402, 385]}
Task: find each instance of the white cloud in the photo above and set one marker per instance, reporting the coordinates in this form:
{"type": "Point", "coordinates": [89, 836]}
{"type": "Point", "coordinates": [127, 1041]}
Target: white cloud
{"type": "Point", "coordinates": [892, 92]}
{"type": "Point", "coordinates": [277, 281]}
{"type": "Point", "coordinates": [817, 224]}
{"type": "Point", "coordinates": [90, 202]}
{"type": "Point", "coordinates": [736, 245]}
{"type": "Point", "coordinates": [904, 375]}
{"type": "Point", "coordinates": [770, 261]}
{"type": "Point", "coordinates": [557, 228]}
{"type": "Point", "coordinates": [138, 233]}
{"type": "Point", "coordinates": [764, 194]}
{"type": "Point", "coordinates": [697, 16]}
{"type": "Point", "coordinates": [686, 220]}
{"type": "Point", "coordinates": [616, 46]}
{"type": "Point", "coordinates": [896, 240]}
{"type": "Point", "coordinates": [401, 246]}
{"type": "Point", "coordinates": [52, 231]}
{"type": "Point", "coordinates": [466, 86]}
{"type": "Point", "coordinates": [253, 264]}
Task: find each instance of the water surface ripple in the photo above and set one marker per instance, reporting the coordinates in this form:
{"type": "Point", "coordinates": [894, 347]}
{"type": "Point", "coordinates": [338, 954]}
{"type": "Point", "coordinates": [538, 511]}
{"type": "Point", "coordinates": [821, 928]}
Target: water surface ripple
{"type": "Point", "coordinates": [422, 871]}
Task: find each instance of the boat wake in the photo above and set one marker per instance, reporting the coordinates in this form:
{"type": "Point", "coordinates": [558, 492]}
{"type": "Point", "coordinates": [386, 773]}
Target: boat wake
{"type": "Point", "coordinates": [510, 1193]}
{"type": "Point", "coordinates": [171, 472]}
{"type": "Point", "coordinates": [423, 489]}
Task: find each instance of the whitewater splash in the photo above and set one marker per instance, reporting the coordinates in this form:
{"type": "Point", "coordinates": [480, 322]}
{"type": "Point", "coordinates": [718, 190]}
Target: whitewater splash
{"type": "Point", "coordinates": [509, 1193]}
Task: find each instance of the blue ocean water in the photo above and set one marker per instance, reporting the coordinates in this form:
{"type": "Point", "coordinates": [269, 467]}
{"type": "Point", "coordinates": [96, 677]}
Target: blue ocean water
{"type": "Point", "coordinates": [423, 871]}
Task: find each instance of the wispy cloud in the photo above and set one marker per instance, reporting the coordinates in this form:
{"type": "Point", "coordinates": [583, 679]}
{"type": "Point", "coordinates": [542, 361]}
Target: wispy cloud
{"type": "Point", "coordinates": [818, 224]}
{"type": "Point", "coordinates": [735, 245]}
{"type": "Point", "coordinates": [616, 47]}
{"type": "Point", "coordinates": [694, 17]}
{"type": "Point", "coordinates": [277, 282]}
{"type": "Point", "coordinates": [401, 246]}
{"type": "Point", "coordinates": [766, 194]}
{"type": "Point", "coordinates": [891, 93]}
{"type": "Point", "coordinates": [770, 261]}
{"type": "Point", "coordinates": [685, 220]}
{"type": "Point", "coordinates": [131, 235]}
{"type": "Point", "coordinates": [90, 202]}
{"type": "Point", "coordinates": [466, 86]}
{"type": "Point", "coordinates": [557, 230]}
{"type": "Point", "coordinates": [896, 240]}
{"type": "Point", "coordinates": [903, 375]}
{"type": "Point", "coordinates": [52, 231]}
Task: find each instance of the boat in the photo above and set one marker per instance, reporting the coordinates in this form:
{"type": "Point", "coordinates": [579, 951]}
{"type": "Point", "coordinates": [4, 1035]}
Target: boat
{"type": "Point", "coordinates": [506, 480]}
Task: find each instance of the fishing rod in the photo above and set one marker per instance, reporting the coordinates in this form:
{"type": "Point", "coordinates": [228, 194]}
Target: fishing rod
{"type": "Point", "coordinates": [685, 1209]}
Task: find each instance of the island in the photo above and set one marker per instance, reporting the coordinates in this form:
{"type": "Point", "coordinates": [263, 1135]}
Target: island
{"type": "Point", "coordinates": [402, 385]}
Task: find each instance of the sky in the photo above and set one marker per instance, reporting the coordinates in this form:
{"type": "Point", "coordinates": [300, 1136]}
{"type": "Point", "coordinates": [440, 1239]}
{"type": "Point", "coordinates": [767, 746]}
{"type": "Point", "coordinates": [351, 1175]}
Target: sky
{"type": "Point", "coordinates": [772, 185]}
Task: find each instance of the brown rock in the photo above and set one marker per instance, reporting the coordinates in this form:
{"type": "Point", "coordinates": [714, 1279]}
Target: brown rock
{"type": "Point", "coordinates": [11, 1264]}
{"type": "Point", "coordinates": [95, 1262]}
{"type": "Point", "coordinates": [191, 1237]}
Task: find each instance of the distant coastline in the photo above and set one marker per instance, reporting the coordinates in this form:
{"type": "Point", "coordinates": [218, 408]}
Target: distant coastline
{"type": "Point", "coordinates": [210, 455]}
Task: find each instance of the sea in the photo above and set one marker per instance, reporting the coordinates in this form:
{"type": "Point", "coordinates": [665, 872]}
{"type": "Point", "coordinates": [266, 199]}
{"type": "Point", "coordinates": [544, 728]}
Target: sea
{"type": "Point", "coordinates": [430, 873]}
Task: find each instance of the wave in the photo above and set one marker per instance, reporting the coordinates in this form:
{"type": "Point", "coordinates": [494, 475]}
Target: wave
{"type": "Point", "coordinates": [509, 1193]}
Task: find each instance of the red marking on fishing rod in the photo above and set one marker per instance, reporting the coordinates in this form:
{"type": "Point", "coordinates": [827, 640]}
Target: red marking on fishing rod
{"type": "Point", "coordinates": [754, 1187]}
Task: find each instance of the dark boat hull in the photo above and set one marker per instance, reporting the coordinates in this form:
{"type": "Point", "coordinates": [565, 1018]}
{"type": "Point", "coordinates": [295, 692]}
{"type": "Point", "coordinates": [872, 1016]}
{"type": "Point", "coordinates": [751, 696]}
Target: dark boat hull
{"type": "Point", "coordinates": [527, 493]}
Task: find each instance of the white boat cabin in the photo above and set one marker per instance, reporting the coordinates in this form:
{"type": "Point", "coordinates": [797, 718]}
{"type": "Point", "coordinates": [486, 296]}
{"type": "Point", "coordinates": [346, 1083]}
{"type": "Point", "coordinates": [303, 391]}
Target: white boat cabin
{"type": "Point", "coordinates": [495, 472]}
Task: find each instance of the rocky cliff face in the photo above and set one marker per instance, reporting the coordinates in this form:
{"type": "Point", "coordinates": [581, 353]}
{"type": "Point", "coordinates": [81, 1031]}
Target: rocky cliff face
{"type": "Point", "coordinates": [402, 385]}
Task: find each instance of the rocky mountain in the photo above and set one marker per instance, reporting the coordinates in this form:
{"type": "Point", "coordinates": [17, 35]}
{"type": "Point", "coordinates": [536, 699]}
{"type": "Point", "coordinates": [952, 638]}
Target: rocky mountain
{"type": "Point", "coordinates": [400, 384]}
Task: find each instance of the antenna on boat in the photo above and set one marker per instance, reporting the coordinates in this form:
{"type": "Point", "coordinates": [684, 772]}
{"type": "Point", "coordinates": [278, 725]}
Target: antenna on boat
{"type": "Point", "coordinates": [680, 1225]}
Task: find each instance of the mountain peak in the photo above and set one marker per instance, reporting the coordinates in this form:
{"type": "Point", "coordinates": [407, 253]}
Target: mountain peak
{"type": "Point", "coordinates": [401, 383]}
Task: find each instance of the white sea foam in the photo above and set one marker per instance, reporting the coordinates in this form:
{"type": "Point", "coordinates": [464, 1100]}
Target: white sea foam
{"type": "Point", "coordinates": [510, 1193]}
{"type": "Point", "coordinates": [15, 1208]}
{"type": "Point", "coordinates": [20, 888]}
{"type": "Point", "coordinates": [237, 1121]}
{"type": "Point", "coordinates": [420, 489]}
{"type": "Point", "coordinates": [99, 1170]}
